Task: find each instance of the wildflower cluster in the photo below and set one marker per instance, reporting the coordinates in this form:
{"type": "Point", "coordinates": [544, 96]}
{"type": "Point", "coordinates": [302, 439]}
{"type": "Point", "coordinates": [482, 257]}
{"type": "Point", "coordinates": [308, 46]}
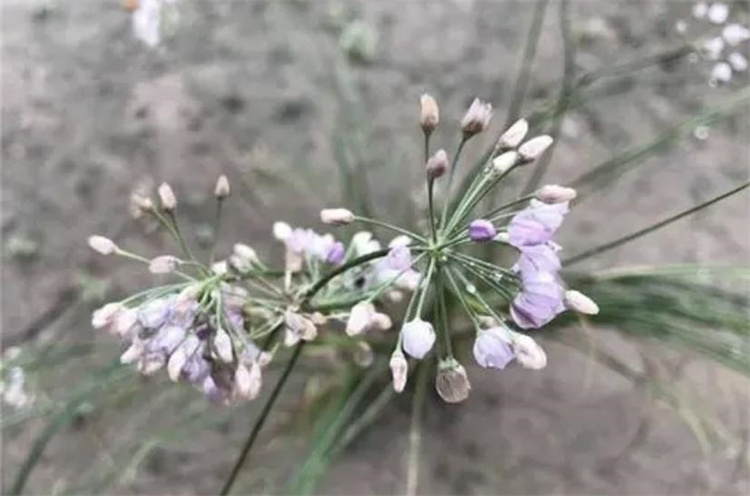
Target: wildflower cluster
{"type": "Point", "coordinates": [224, 321]}
{"type": "Point", "coordinates": [721, 39]}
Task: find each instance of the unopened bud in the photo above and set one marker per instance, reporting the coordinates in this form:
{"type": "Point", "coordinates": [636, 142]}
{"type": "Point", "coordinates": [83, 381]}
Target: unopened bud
{"type": "Point", "coordinates": [513, 136]}
{"type": "Point", "coordinates": [220, 268]}
{"type": "Point", "coordinates": [360, 318]}
{"type": "Point", "coordinates": [102, 245]}
{"type": "Point", "coordinates": [399, 370]}
{"type": "Point", "coordinates": [336, 216]}
{"type": "Point", "coordinates": [477, 118]}
{"type": "Point", "coordinates": [106, 315]}
{"type": "Point", "coordinates": [222, 190]}
{"type": "Point", "coordinates": [552, 193]}
{"type": "Point", "coordinates": [528, 353]}
{"type": "Point", "coordinates": [281, 231]}
{"type": "Point", "coordinates": [247, 381]}
{"type": "Point", "coordinates": [381, 321]}
{"type": "Point", "coordinates": [140, 204]}
{"type": "Point", "coordinates": [246, 253]}
{"type": "Point", "coordinates": [437, 165]}
{"type": "Point", "coordinates": [163, 264]}
{"type": "Point", "coordinates": [481, 230]}
{"type": "Point", "coordinates": [452, 383]}
{"type": "Point", "coordinates": [176, 363]}
{"type": "Point", "coordinates": [300, 326]}
{"type": "Point", "coordinates": [533, 149]}
{"type": "Point", "coordinates": [430, 114]}
{"type": "Point", "coordinates": [579, 302]}
{"type": "Point", "coordinates": [503, 163]}
{"type": "Point", "coordinates": [418, 338]}
{"type": "Point", "coordinates": [223, 346]}
{"type": "Point", "coordinates": [167, 198]}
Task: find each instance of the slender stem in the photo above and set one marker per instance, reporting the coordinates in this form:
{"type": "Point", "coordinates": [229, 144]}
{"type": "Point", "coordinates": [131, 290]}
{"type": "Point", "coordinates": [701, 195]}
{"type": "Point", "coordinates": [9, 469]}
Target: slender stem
{"type": "Point", "coordinates": [217, 228]}
{"type": "Point", "coordinates": [451, 176]}
{"type": "Point", "coordinates": [180, 238]}
{"type": "Point", "coordinates": [390, 227]}
{"type": "Point", "coordinates": [424, 286]}
{"type": "Point", "coordinates": [443, 312]}
{"type": "Point", "coordinates": [630, 237]}
{"type": "Point", "coordinates": [415, 433]}
{"type": "Point", "coordinates": [261, 420]}
{"type": "Point", "coordinates": [564, 100]}
{"type": "Point", "coordinates": [462, 298]}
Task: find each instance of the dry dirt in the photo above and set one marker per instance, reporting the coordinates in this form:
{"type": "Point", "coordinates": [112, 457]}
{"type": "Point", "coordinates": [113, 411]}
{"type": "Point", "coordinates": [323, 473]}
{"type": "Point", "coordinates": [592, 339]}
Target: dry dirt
{"type": "Point", "coordinates": [87, 112]}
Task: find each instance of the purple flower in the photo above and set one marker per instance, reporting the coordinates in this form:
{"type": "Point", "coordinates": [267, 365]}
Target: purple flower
{"type": "Point", "coordinates": [492, 348]}
{"type": "Point", "coordinates": [337, 254]}
{"type": "Point", "coordinates": [481, 230]}
{"type": "Point", "coordinates": [398, 258]}
{"type": "Point", "coordinates": [155, 313]}
{"type": "Point", "coordinates": [536, 224]}
{"type": "Point", "coordinates": [539, 301]}
{"type": "Point", "coordinates": [538, 258]}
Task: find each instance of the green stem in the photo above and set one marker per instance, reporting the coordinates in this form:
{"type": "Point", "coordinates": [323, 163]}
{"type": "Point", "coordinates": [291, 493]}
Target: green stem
{"type": "Point", "coordinates": [451, 176]}
{"type": "Point", "coordinates": [443, 313]}
{"type": "Point", "coordinates": [261, 420]}
{"type": "Point", "coordinates": [340, 270]}
{"type": "Point", "coordinates": [390, 227]}
{"type": "Point", "coordinates": [217, 228]}
{"type": "Point", "coordinates": [415, 433]}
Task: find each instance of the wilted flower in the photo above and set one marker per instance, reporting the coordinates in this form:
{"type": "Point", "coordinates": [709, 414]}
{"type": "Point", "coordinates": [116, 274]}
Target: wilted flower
{"type": "Point", "coordinates": [528, 353]}
{"type": "Point", "coordinates": [399, 370]}
{"type": "Point", "coordinates": [418, 337]}
{"type": "Point", "coordinates": [437, 165]}
{"type": "Point", "coordinates": [102, 245]}
{"type": "Point", "coordinates": [430, 114]}
{"type": "Point", "coordinates": [579, 302]}
{"type": "Point", "coordinates": [481, 230]}
{"type": "Point", "coordinates": [336, 216]}
{"type": "Point", "coordinates": [492, 348]}
{"type": "Point", "coordinates": [452, 383]}
{"type": "Point", "coordinates": [477, 118]}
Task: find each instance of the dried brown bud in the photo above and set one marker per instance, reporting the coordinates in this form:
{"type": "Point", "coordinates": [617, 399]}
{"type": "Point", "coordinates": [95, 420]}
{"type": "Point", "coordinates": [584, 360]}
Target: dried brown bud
{"type": "Point", "coordinates": [452, 383]}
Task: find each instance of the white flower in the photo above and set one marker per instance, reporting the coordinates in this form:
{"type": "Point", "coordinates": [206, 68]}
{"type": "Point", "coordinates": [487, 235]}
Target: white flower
{"type": "Point", "coordinates": [418, 338]}
{"type": "Point", "coordinates": [700, 10]}
{"type": "Point", "coordinates": [552, 193]}
{"type": "Point", "coordinates": [147, 22]}
{"type": "Point", "coordinates": [246, 253]}
{"type": "Point", "coordinates": [528, 352]}
{"type": "Point", "coordinates": [222, 190]}
{"type": "Point", "coordinates": [102, 245]}
{"type": "Point", "coordinates": [363, 244]}
{"type": "Point", "coordinates": [737, 61]}
{"type": "Point", "coordinates": [734, 34]}
{"type": "Point", "coordinates": [579, 302]}
{"type": "Point", "coordinates": [721, 73]}
{"type": "Point", "coordinates": [360, 318]}
{"type": "Point", "coordinates": [402, 240]}
{"type": "Point", "coordinates": [282, 231]}
{"type": "Point", "coordinates": [336, 216]}
{"type": "Point", "coordinates": [718, 13]}
{"type": "Point", "coordinates": [533, 149]}
{"type": "Point", "coordinates": [477, 117]}
{"type": "Point", "coordinates": [399, 370]}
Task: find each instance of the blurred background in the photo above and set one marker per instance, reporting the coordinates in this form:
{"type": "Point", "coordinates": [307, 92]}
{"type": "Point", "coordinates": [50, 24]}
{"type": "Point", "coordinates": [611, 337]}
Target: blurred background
{"type": "Point", "coordinates": [307, 103]}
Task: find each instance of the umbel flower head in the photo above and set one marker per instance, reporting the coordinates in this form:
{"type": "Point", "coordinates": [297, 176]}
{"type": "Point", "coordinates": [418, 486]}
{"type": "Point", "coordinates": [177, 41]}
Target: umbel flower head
{"type": "Point", "coordinates": [222, 320]}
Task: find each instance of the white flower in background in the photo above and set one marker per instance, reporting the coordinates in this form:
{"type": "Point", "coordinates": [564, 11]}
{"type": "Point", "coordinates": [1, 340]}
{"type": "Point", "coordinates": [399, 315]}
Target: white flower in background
{"type": "Point", "coordinates": [152, 19]}
{"type": "Point", "coordinates": [721, 73]}
{"type": "Point", "coordinates": [364, 244]}
{"type": "Point", "coordinates": [737, 61]}
{"type": "Point", "coordinates": [734, 34]}
{"type": "Point", "coordinates": [718, 13]}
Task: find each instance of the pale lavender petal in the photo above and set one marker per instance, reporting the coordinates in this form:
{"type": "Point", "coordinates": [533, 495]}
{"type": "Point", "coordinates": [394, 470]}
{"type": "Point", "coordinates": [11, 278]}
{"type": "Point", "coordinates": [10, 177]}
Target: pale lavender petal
{"type": "Point", "coordinates": [492, 348]}
{"type": "Point", "coordinates": [337, 254]}
{"type": "Point", "coordinates": [481, 230]}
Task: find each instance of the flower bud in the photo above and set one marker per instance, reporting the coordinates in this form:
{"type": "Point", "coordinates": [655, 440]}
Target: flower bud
{"type": "Point", "coordinates": [533, 149]}
{"type": "Point", "coordinates": [477, 118]}
{"type": "Point", "coordinates": [360, 318]}
{"type": "Point", "coordinates": [167, 198]}
{"type": "Point", "coordinates": [452, 383]}
{"type": "Point", "coordinates": [246, 253]}
{"type": "Point", "coordinates": [418, 338]}
{"type": "Point", "coordinates": [223, 346]}
{"type": "Point", "coordinates": [164, 264]}
{"type": "Point", "coordinates": [134, 352]}
{"type": "Point", "coordinates": [106, 315]}
{"type": "Point", "coordinates": [430, 113]}
{"type": "Point", "coordinates": [381, 321]}
{"type": "Point", "coordinates": [437, 165]}
{"type": "Point", "coordinates": [481, 230]}
{"type": "Point", "coordinates": [528, 353]}
{"type": "Point", "coordinates": [281, 231]}
{"type": "Point", "coordinates": [400, 240]}
{"type": "Point", "coordinates": [222, 190]}
{"type": "Point", "coordinates": [102, 245]}
{"type": "Point", "coordinates": [503, 163]}
{"type": "Point", "coordinates": [176, 363]}
{"type": "Point", "coordinates": [220, 268]}
{"type": "Point", "coordinates": [336, 216]}
{"type": "Point", "coordinates": [552, 193]}
{"type": "Point", "coordinates": [337, 254]}
{"type": "Point", "coordinates": [579, 302]}
{"type": "Point", "coordinates": [513, 136]}
{"type": "Point", "coordinates": [399, 370]}
{"type": "Point", "coordinates": [492, 348]}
